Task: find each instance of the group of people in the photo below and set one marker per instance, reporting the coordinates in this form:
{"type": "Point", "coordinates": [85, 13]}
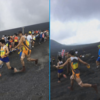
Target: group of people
{"type": "Point", "coordinates": [20, 42]}
{"type": "Point", "coordinates": [13, 40]}
{"type": "Point", "coordinates": [73, 62]}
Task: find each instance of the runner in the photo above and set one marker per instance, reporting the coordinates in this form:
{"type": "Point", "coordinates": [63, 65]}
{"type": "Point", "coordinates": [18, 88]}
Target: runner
{"type": "Point", "coordinates": [40, 37]}
{"type": "Point", "coordinates": [68, 65]}
{"type": "Point", "coordinates": [98, 60]}
{"type": "Point", "coordinates": [75, 71]}
{"type": "Point", "coordinates": [25, 50]}
{"type": "Point", "coordinates": [11, 41]}
{"type": "Point", "coordinates": [8, 44]}
{"type": "Point", "coordinates": [29, 38]}
{"type": "Point", "coordinates": [60, 69]}
{"type": "Point", "coordinates": [15, 40]}
{"type": "Point", "coordinates": [4, 56]}
{"type": "Point", "coordinates": [34, 38]}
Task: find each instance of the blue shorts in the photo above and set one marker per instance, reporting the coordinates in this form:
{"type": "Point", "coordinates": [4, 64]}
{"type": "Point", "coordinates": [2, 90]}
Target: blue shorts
{"type": "Point", "coordinates": [6, 59]}
{"type": "Point", "coordinates": [20, 54]}
{"type": "Point", "coordinates": [60, 70]}
{"type": "Point", "coordinates": [98, 59]}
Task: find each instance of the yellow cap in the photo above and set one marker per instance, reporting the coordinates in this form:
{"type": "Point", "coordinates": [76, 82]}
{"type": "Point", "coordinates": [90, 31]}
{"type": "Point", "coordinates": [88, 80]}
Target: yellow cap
{"type": "Point", "coordinates": [98, 45]}
{"type": "Point", "coordinates": [30, 32]}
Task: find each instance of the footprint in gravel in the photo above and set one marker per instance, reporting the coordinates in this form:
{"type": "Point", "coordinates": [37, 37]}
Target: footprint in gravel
{"type": "Point", "coordinates": [41, 67]}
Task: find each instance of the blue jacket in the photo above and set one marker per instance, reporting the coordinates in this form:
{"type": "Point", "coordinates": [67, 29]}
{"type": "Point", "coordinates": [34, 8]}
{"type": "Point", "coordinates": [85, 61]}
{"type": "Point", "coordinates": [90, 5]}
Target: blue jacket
{"type": "Point", "coordinates": [99, 52]}
{"type": "Point", "coordinates": [40, 35]}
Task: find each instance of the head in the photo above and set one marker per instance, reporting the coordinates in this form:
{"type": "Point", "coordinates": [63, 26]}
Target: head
{"type": "Point", "coordinates": [29, 32]}
{"type": "Point", "coordinates": [20, 33]}
{"type": "Point", "coordinates": [99, 46]}
{"type": "Point", "coordinates": [2, 42]}
{"type": "Point", "coordinates": [9, 39]}
{"type": "Point", "coordinates": [59, 58]}
{"type": "Point", "coordinates": [15, 34]}
{"type": "Point", "coordinates": [71, 53]}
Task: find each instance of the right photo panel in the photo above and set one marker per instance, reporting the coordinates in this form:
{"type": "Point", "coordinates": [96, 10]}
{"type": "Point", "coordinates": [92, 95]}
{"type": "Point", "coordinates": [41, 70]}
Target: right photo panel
{"type": "Point", "coordinates": [75, 49]}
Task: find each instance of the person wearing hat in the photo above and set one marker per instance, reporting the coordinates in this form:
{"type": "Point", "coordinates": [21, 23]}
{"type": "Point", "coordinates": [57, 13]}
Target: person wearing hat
{"type": "Point", "coordinates": [98, 59]}
{"type": "Point", "coordinates": [29, 38]}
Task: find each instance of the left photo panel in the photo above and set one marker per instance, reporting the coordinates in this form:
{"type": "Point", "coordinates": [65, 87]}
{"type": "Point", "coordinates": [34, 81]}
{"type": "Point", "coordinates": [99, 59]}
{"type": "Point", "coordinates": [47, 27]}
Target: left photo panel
{"type": "Point", "coordinates": [24, 50]}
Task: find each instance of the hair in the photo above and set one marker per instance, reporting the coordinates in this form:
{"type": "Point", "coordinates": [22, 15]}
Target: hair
{"type": "Point", "coordinates": [20, 32]}
{"type": "Point", "coordinates": [72, 52]}
{"type": "Point", "coordinates": [60, 58]}
{"type": "Point", "coordinates": [8, 38]}
{"type": "Point", "coordinates": [2, 41]}
{"type": "Point", "coordinates": [15, 34]}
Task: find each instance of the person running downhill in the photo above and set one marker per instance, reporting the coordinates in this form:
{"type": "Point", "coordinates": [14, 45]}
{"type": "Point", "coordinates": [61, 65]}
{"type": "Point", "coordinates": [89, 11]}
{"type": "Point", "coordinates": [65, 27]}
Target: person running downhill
{"type": "Point", "coordinates": [75, 71]}
{"type": "Point", "coordinates": [98, 59]}
{"type": "Point", "coordinates": [60, 69]}
{"type": "Point", "coordinates": [4, 56]}
{"type": "Point", "coordinates": [26, 51]}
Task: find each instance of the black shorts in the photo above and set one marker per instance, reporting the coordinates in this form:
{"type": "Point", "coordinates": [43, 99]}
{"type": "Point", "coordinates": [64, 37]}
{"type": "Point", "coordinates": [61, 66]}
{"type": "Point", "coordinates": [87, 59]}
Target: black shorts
{"type": "Point", "coordinates": [16, 43]}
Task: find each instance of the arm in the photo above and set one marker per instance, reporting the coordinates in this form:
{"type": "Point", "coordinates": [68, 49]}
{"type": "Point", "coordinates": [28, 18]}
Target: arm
{"type": "Point", "coordinates": [57, 65]}
{"type": "Point", "coordinates": [82, 62]}
{"type": "Point", "coordinates": [68, 60]}
{"type": "Point", "coordinates": [7, 53]}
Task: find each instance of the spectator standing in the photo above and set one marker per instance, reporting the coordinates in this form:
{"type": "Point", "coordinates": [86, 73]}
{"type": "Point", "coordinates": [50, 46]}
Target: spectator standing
{"type": "Point", "coordinates": [29, 38]}
{"type": "Point", "coordinates": [40, 38]}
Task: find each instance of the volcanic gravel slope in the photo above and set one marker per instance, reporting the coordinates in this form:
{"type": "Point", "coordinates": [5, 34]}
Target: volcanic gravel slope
{"type": "Point", "coordinates": [33, 84]}
{"type": "Point", "coordinates": [60, 91]}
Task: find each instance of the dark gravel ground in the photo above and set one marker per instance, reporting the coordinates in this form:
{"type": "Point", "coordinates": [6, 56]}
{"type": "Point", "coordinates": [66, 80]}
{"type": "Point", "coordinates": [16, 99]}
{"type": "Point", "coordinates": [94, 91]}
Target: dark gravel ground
{"type": "Point", "coordinates": [60, 91]}
{"type": "Point", "coordinates": [33, 84]}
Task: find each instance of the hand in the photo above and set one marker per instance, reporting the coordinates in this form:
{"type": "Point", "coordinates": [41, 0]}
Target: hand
{"type": "Point", "coordinates": [13, 49]}
{"type": "Point", "coordinates": [88, 65]}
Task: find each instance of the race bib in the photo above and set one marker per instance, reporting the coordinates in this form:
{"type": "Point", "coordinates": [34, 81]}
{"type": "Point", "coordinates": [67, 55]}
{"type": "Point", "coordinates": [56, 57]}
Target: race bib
{"type": "Point", "coordinates": [2, 53]}
{"type": "Point", "coordinates": [15, 40]}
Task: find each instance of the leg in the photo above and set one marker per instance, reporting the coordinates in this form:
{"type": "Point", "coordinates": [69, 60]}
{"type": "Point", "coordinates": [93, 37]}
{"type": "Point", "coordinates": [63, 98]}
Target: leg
{"type": "Point", "coordinates": [22, 61]}
{"type": "Point", "coordinates": [72, 82]}
{"type": "Point", "coordinates": [31, 59]}
{"type": "Point", "coordinates": [58, 77]}
{"type": "Point", "coordinates": [64, 76]}
{"type": "Point", "coordinates": [33, 44]}
{"type": "Point", "coordinates": [9, 67]}
{"type": "Point", "coordinates": [97, 63]}
{"type": "Point", "coordinates": [1, 64]}
{"type": "Point", "coordinates": [79, 81]}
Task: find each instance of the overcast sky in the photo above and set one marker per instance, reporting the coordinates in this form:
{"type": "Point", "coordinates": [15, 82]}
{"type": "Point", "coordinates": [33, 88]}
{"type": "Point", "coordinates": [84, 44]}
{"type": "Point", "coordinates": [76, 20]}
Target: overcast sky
{"type": "Point", "coordinates": [17, 13]}
{"type": "Point", "coordinates": [75, 21]}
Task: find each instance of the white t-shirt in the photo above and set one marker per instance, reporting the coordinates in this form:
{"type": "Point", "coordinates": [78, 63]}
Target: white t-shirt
{"type": "Point", "coordinates": [29, 38]}
{"type": "Point", "coordinates": [76, 52]}
{"type": "Point", "coordinates": [25, 36]}
{"type": "Point", "coordinates": [82, 56]}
